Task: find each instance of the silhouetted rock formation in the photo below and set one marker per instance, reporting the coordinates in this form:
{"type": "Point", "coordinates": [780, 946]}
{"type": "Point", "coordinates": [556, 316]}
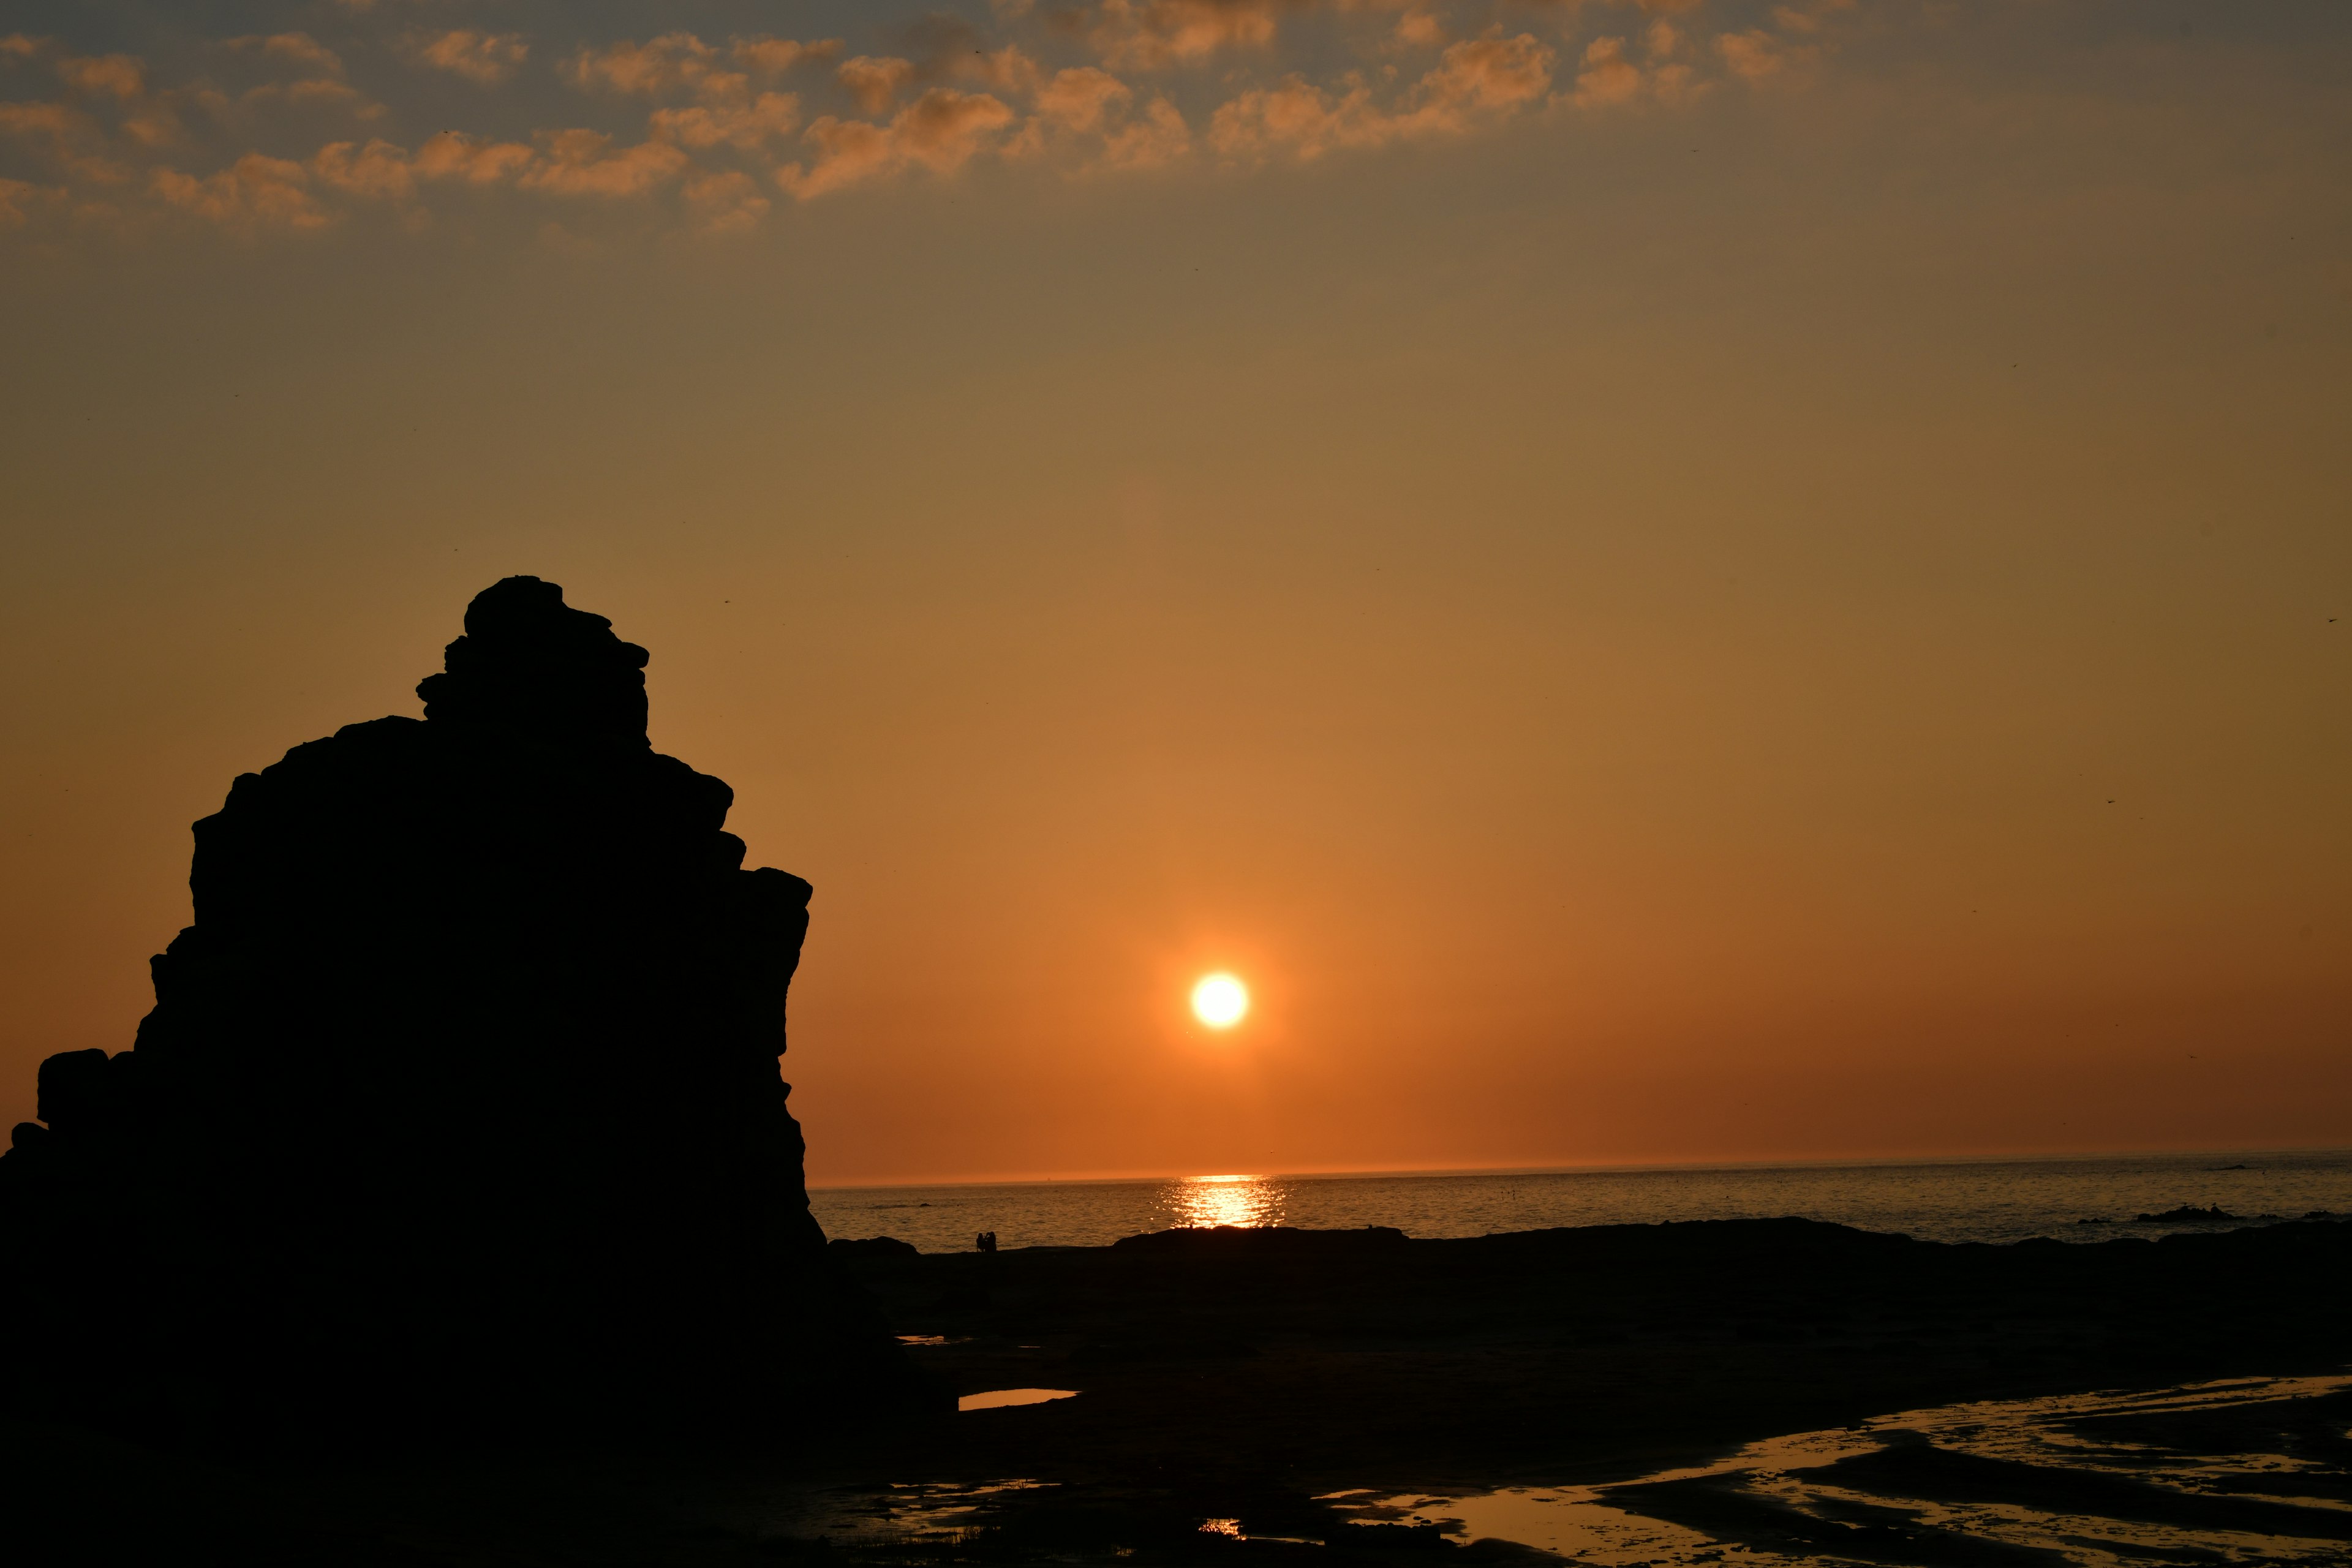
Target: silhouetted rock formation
{"type": "Point", "coordinates": [459, 1101]}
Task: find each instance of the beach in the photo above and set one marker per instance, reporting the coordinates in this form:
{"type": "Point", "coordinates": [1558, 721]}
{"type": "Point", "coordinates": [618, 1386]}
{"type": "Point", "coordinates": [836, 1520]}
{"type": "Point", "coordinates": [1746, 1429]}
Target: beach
{"type": "Point", "coordinates": [1341, 1396]}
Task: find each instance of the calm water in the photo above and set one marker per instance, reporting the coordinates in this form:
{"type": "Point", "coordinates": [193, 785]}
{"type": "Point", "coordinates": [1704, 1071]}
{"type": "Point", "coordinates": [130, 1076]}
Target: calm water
{"type": "Point", "coordinates": [2125, 1479]}
{"type": "Point", "coordinates": [1978, 1200]}
{"type": "Point", "coordinates": [2244, 1471]}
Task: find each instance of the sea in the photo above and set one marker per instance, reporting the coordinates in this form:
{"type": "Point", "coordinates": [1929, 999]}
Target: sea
{"type": "Point", "coordinates": [2072, 1199]}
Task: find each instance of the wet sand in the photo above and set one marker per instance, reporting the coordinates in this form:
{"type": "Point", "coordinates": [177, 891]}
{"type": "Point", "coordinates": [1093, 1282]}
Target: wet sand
{"type": "Point", "coordinates": [1265, 1394]}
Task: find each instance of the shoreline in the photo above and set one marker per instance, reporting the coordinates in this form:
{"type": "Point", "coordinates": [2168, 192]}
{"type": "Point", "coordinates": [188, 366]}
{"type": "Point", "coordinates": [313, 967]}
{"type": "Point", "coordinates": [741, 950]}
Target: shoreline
{"type": "Point", "coordinates": [1242, 1377]}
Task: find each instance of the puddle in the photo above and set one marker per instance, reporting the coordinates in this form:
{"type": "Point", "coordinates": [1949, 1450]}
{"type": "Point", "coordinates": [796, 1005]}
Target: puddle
{"type": "Point", "coordinates": [902, 1513]}
{"type": "Point", "coordinates": [997, 1398]}
{"type": "Point", "coordinates": [2105, 1480]}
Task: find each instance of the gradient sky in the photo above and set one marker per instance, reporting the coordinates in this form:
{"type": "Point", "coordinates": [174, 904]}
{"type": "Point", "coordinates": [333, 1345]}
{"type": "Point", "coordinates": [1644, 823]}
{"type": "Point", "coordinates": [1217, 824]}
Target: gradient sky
{"type": "Point", "coordinates": [1672, 582]}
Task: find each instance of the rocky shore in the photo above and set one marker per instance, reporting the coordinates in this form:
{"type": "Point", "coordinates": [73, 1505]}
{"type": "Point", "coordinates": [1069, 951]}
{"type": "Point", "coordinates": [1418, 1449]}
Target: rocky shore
{"type": "Point", "coordinates": [1228, 1383]}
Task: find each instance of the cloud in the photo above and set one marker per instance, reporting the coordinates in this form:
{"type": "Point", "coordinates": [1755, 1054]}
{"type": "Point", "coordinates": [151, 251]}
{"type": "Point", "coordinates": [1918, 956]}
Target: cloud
{"type": "Point", "coordinates": [121, 76]}
{"type": "Point", "coordinates": [1153, 35]}
{"type": "Point", "coordinates": [313, 93]}
{"type": "Point", "coordinates": [37, 119]}
{"type": "Point", "coordinates": [745, 123]}
{"type": "Point", "coordinates": [649, 70]}
{"type": "Point", "coordinates": [725, 203]}
{"type": "Point", "coordinates": [72, 136]}
{"type": "Point", "coordinates": [1299, 117]}
{"type": "Point", "coordinates": [1418, 29]}
{"type": "Point", "coordinates": [959, 88]}
{"type": "Point", "coordinates": [940, 131]}
{"type": "Point", "coordinates": [13, 194]}
{"type": "Point", "coordinates": [1809, 19]}
{"type": "Point", "coordinates": [1007, 70]}
{"type": "Point", "coordinates": [1474, 80]}
{"type": "Point", "coordinates": [299, 49]}
{"type": "Point", "coordinates": [1754, 55]}
{"type": "Point", "coordinates": [1607, 76]}
{"type": "Point", "coordinates": [485, 59]}
{"type": "Point", "coordinates": [1083, 102]}
{"type": "Point", "coordinates": [773, 57]}
{"type": "Point", "coordinates": [254, 192]}
{"type": "Point", "coordinates": [874, 82]}
{"type": "Point", "coordinates": [579, 163]}
{"type": "Point", "coordinates": [1078, 99]}
{"type": "Point", "coordinates": [1482, 76]}
{"type": "Point", "coordinates": [1159, 136]}
{"type": "Point", "coordinates": [379, 170]}
{"type": "Point", "coordinates": [454, 155]}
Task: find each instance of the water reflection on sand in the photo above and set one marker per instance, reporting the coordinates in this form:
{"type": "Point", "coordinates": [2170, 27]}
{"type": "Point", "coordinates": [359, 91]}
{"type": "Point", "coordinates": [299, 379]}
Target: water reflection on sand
{"type": "Point", "coordinates": [1001, 1398]}
{"type": "Point", "coordinates": [2252, 1470]}
{"type": "Point", "coordinates": [2095, 1478]}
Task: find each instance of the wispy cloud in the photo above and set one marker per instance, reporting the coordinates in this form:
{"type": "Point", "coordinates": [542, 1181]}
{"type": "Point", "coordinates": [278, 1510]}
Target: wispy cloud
{"type": "Point", "coordinates": [1476, 78]}
{"type": "Point", "coordinates": [582, 162]}
{"type": "Point", "coordinates": [942, 132]}
{"type": "Point", "coordinates": [728, 119]}
{"type": "Point", "coordinates": [1157, 34]}
{"type": "Point", "coordinates": [773, 57]}
{"type": "Point", "coordinates": [875, 82]}
{"type": "Point", "coordinates": [649, 70]}
{"type": "Point", "coordinates": [487, 58]}
{"type": "Point", "coordinates": [713, 131]}
{"type": "Point", "coordinates": [255, 192]}
{"type": "Point", "coordinates": [297, 49]}
{"type": "Point", "coordinates": [117, 76]}
{"type": "Point", "coordinates": [454, 155]}
{"type": "Point", "coordinates": [379, 170]}
{"type": "Point", "coordinates": [14, 196]}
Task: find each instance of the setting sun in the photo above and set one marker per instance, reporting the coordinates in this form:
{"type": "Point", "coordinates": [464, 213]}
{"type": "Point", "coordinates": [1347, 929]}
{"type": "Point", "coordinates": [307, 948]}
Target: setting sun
{"type": "Point", "coordinates": [1220, 1001]}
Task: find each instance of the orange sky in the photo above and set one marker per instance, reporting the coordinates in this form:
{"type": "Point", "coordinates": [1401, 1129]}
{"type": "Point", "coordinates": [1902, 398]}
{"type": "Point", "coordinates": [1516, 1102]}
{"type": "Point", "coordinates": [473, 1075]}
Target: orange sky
{"type": "Point", "coordinates": [1800, 609]}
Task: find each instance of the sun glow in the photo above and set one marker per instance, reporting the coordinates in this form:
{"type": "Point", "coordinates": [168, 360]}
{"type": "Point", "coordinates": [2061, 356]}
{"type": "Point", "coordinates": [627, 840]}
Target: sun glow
{"type": "Point", "coordinates": [1220, 1001]}
{"type": "Point", "coordinates": [1242, 1201]}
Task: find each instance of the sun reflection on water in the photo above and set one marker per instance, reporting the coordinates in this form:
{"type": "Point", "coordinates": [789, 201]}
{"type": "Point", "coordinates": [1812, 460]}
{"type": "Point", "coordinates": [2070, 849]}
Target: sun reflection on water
{"type": "Point", "coordinates": [1233, 1200]}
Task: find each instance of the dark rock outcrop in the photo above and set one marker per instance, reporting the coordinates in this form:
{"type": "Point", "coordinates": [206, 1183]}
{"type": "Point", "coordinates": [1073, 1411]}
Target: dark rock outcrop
{"type": "Point", "coordinates": [459, 1104]}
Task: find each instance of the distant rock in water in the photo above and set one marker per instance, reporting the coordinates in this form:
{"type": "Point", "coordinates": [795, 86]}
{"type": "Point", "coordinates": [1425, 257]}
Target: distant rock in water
{"type": "Point", "coordinates": [459, 1103]}
{"type": "Point", "coordinates": [2189, 1214]}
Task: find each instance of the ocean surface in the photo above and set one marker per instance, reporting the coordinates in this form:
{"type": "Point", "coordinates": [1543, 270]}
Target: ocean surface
{"type": "Point", "coordinates": [1961, 1200]}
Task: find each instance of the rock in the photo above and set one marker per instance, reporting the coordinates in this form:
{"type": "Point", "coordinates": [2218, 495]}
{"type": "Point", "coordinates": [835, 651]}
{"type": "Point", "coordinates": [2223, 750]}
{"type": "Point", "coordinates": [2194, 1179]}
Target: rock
{"type": "Point", "coordinates": [458, 1106]}
{"type": "Point", "coordinates": [73, 1089]}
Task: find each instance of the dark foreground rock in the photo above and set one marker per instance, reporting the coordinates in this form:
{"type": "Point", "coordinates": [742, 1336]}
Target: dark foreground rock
{"type": "Point", "coordinates": [458, 1112]}
{"type": "Point", "coordinates": [1366, 1359]}
{"type": "Point", "coordinates": [1229, 1381]}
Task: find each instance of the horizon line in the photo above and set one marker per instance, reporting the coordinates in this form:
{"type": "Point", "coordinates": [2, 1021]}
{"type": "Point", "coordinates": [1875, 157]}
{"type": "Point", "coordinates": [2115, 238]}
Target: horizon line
{"type": "Point", "coordinates": [1628, 1168]}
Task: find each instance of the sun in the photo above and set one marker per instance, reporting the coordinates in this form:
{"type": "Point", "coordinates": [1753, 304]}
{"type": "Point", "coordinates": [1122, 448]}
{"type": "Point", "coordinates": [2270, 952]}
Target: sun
{"type": "Point", "coordinates": [1220, 1001]}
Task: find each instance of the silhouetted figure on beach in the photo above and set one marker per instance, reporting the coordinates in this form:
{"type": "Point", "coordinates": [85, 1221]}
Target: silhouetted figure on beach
{"type": "Point", "coordinates": [459, 1100]}
{"type": "Point", "coordinates": [985, 1241]}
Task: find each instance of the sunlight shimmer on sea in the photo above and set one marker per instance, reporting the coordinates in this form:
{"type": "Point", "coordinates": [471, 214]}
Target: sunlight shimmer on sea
{"type": "Point", "coordinates": [2081, 1199]}
{"type": "Point", "coordinates": [1225, 1200]}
